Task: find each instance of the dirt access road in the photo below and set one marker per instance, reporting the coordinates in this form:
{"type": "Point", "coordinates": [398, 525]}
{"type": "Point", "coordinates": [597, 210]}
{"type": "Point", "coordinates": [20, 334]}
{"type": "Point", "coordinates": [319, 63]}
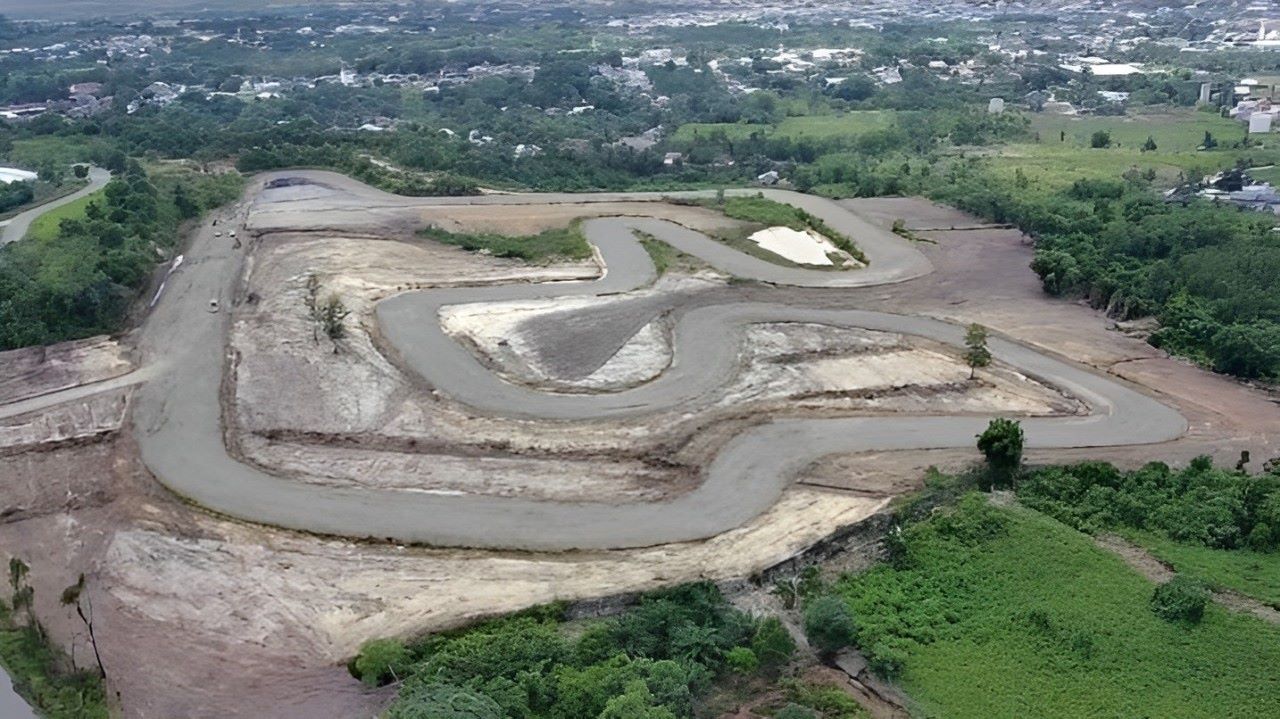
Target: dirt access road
{"type": "Point", "coordinates": [177, 415]}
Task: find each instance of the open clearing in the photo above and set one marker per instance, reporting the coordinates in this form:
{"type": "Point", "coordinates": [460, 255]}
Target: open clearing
{"type": "Point", "coordinates": [813, 126]}
{"type": "Point", "coordinates": [287, 608]}
{"type": "Point", "coordinates": [1063, 149]}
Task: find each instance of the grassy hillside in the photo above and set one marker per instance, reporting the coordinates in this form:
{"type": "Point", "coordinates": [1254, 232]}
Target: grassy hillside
{"type": "Point", "coordinates": [1008, 613]}
{"type": "Point", "coordinates": [1256, 574]}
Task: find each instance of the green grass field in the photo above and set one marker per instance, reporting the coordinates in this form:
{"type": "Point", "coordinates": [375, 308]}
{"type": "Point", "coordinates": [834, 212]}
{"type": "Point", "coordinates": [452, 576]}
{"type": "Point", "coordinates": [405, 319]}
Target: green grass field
{"type": "Point", "coordinates": [1039, 622]}
{"type": "Point", "coordinates": [548, 245]}
{"type": "Point", "coordinates": [814, 126]}
{"type": "Point", "coordinates": [1063, 153]}
{"type": "Point", "coordinates": [62, 149]}
{"type": "Point", "coordinates": [45, 227]}
{"type": "Point", "coordinates": [1255, 574]}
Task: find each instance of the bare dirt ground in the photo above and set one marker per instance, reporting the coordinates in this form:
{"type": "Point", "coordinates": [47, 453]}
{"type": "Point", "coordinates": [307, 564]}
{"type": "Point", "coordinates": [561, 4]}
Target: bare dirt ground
{"type": "Point", "coordinates": [35, 371]}
{"type": "Point", "coordinates": [983, 276]}
{"type": "Point", "coordinates": [242, 617]}
{"type": "Point", "coordinates": [77, 421]}
{"type": "Point", "coordinates": [352, 418]}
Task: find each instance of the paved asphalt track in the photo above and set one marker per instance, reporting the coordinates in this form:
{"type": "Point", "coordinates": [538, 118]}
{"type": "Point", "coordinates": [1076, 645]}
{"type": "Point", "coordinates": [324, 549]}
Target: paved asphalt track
{"type": "Point", "coordinates": [178, 423]}
{"type": "Point", "coordinates": [17, 227]}
{"type": "Point", "coordinates": [177, 415]}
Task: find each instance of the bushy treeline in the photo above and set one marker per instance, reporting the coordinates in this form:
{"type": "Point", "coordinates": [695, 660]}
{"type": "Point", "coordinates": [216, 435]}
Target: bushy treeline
{"type": "Point", "coordinates": [897, 605]}
{"type": "Point", "coordinates": [1209, 273]}
{"type": "Point", "coordinates": [1200, 504]}
{"type": "Point", "coordinates": [81, 281]}
{"type": "Point", "coordinates": [653, 662]}
{"type": "Point", "coordinates": [347, 159]}
{"type": "Point", "coordinates": [15, 194]}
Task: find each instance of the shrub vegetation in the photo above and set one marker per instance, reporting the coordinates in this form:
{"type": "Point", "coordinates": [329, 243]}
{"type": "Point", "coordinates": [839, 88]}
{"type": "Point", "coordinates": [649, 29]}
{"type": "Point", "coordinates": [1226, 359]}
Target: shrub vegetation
{"type": "Point", "coordinates": [998, 610]}
{"type": "Point", "coordinates": [656, 660]}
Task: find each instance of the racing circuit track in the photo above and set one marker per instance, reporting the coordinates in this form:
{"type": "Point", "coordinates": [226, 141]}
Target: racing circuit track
{"type": "Point", "coordinates": [178, 416]}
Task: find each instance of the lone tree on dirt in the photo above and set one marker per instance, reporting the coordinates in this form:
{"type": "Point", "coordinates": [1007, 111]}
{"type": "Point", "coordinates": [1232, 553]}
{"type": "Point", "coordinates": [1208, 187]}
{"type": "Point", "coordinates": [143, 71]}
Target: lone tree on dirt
{"type": "Point", "coordinates": [976, 354]}
{"type": "Point", "coordinates": [23, 596]}
{"type": "Point", "coordinates": [1001, 443]}
{"type": "Point", "coordinates": [311, 299]}
{"type": "Point", "coordinates": [74, 596]}
{"type": "Point", "coordinates": [332, 313]}
{"type": "Point", "coordinates": [327, 316]}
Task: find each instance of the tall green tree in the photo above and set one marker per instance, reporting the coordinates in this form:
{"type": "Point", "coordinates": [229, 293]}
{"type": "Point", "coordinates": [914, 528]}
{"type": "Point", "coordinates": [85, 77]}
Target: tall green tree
{"type": "Point", "coordinates": [1001, 443]}
{"type": "Point", "coordinates": [976, 352]}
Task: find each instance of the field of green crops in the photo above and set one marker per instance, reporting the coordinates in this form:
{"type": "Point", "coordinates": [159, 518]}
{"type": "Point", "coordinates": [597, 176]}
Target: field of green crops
{"type": "Point", "coordinates": [1063, 153]}
{"type": "Point", "coordinates": [813, 126]}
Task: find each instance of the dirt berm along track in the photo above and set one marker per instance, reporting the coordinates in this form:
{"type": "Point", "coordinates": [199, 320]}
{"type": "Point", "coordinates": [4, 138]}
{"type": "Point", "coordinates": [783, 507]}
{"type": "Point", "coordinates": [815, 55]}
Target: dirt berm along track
{"type": "Point", "coordinates": [178, 416]}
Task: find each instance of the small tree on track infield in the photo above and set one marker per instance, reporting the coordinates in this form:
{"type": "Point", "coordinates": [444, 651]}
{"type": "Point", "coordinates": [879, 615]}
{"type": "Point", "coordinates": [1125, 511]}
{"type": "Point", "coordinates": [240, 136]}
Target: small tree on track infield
{"type": "Point", "coordinates": [328, 316]}
{"type": "Point", "coordinates": [976, 353]}
{"type": "Point", "coordinates": [331, 316]}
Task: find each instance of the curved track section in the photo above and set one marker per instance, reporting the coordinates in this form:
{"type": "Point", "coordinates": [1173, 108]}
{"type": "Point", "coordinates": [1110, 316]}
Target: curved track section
{"type": "Point", "coordinates": [180, 432]}
{"type": "Point", "coordinates": [16, 228]}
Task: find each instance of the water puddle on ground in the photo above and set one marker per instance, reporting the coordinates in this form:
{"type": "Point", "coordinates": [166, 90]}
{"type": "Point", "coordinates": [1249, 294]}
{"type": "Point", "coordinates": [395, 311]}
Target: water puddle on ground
{"type": "Point", "coordinates": [12, 706]}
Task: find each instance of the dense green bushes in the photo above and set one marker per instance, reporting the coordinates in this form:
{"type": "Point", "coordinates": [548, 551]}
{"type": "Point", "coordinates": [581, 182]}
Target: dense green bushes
{"type": "Point", "coordinates": [653, 661]}
{"type": "Point", "coordinates": [1200, 504]}
{"type": "Point", "coordinates": [1180, 599]}
{"type": "Point", "coordinates": [828, 625]}
{"type": "Point", "coordinates": [1001, 444]}
{"type": "Point", "coordinates": [79, 282]}
{"type": "Point", "coordinates": [15, 194]}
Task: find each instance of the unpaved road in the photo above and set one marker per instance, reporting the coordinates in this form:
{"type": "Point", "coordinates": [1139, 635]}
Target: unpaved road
{"type": "Point", "coordinates": [178, 424]}
{"type": "Point", "coordinates": [17, 227]}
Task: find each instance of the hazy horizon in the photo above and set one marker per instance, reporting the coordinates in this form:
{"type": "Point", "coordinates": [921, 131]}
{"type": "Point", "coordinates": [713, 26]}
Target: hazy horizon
{"type": "Point", "coordinates": [88, 9]}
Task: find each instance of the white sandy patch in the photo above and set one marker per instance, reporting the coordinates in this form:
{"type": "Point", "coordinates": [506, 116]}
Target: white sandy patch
{"type": "Point", "coordinates": [803, 248]}
{"type": "Point", "coordinates": [642, 358]}
{"type": "Point", "coordinates": [493, 328]}
{"type": "Point", "coordinates": [11, 174]}
{"type": "Point", "coordinates": [890, 369]}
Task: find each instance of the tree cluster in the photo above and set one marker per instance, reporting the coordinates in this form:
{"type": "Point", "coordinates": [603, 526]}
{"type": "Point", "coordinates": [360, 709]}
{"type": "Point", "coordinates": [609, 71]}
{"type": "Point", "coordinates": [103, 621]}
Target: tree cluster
{"type": "Point", "coordinates": [652, 662]}
{"type": "Point", "coordinates": [1201, 504]}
